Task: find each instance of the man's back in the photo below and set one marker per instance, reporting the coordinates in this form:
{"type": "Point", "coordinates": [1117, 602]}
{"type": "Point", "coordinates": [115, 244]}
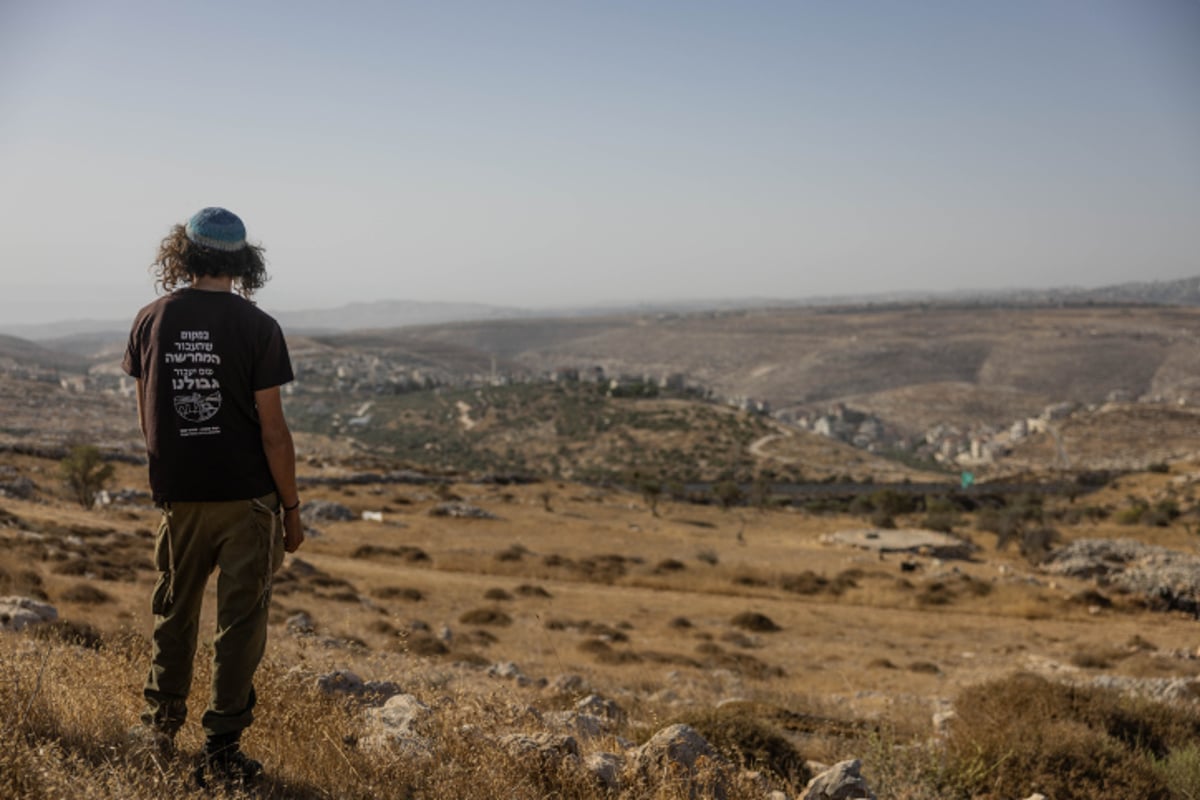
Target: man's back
{"type": "Point", "coordinates": [201, 356]}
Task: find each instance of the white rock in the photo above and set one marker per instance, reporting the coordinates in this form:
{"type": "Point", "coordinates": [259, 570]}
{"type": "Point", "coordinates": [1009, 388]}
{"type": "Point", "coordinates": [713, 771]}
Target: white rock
{"type": "Point", "coordinates": [18, 613]}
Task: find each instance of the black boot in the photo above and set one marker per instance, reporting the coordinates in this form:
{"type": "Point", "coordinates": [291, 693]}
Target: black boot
{"type": "Point", "coordinates": [224, 762]}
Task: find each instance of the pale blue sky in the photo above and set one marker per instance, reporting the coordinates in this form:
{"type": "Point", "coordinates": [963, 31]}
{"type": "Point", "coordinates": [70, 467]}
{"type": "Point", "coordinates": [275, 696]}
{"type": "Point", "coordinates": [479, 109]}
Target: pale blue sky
{"type": "Point", "coordinates": [567, 153]}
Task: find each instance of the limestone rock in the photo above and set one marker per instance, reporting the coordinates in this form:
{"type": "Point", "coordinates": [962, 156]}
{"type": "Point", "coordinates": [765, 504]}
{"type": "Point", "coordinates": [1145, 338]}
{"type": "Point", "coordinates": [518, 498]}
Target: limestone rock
{"type": "Point", "coordinates": [842, 781]}
{"type": "Point", "coordinates": [18, 613]}
{"type": "Point", "coordinates": [601, 707]}
{"type": "Point", "coordinates": [325, 510]}
{"type": "Point", "coordinates": [547, 749]}
{"type": "Point", "coordinates": [460, 510]}
{"type": "Point", "coordinates": [344, 681]}
{"type": "Point", "coordinates": [585, 726]}
{"type": "Point", "coordinates": [397, 724]}
{"type": "Point", "coordinates": [606, 768]}
{"type": "Point", "coordinates": [680, 752]}
{"type": "Point", "coordinates": [300, 624]}
{"type": "Point", "coordinates": [568, 683]}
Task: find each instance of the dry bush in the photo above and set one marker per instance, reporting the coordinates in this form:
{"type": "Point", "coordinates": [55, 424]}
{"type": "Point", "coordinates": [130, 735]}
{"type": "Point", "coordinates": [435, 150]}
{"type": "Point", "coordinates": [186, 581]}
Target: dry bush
{"type": "Point", "coordinates": [86, 594]}
{"type": "Point", "coordinates": [754, 621]}
{"type": "Point", "coordinates": [531, 590]}
{"type": "Point", "coordinates": [497, 593]}
{"type": "Point", "coordinates": [25, 582]}
{"type": "Point", "coordinates": [751, 743]}
{"type": "Point", "coordinates": [405, 553]}
{"type": "Point", "coordinates": [69, 632]}
{"type": "Point", "coordinates": [1024, 734]}
{"type": "Point", "coordinates": [398, 593]}
{"type": "Point", "coordinates": [485, 616]}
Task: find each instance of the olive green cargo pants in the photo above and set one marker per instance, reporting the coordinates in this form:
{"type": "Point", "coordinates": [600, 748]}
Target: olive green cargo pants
{"type": "Point", "coordinates": [244, 539]}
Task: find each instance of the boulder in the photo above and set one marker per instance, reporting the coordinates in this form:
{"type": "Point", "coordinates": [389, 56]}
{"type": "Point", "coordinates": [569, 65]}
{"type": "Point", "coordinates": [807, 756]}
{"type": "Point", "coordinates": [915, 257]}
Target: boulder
{"type": "Point", "coordinates": [397, 724]}
{"type": "Point", "coordinates": [602, 707]}
{"type": "Point", "coordinates": [1167, 577]}
{"type": "Point", "coordinates": [18, 613]}
{"type": "Point", "coordinates": [606, 768]}
{"type": "Point", "coordinates": [585, 726]}
{"type": "Point", "coordinates": [344, 681]}
{"type": "Point", "coordinates": [460, 510]}
{"type": "Point", "coordinates": [548, 750]}
{"type": "Point", "coordinates": [300, 624]}
{"type": "Point", "coordinates": [679, 753]}
{"type": "Point", "coordinates": [325, 510]}
{"type": "Point", "coordinates": [842, 781]}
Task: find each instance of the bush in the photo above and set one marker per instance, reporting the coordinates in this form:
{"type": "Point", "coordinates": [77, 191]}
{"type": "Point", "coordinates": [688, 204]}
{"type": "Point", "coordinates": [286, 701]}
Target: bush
{"type": "Point", "coordinates": [753, 621]}
{"type": "Point", "coordinates": [85, 473]}
{"type": "Point", "coordinates": [1024, 734]}
{"type": "Point", "coordinates": [751, 743]}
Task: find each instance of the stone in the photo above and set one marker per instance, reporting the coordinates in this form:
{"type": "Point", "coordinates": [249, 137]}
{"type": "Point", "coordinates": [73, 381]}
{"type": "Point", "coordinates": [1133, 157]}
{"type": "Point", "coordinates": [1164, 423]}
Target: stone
{"type": "Point", "coordinates": [326, 510]}
{"type": "Point", "coordinates": [397, 724]}
{"type": "Point", "coordinates": [680, 752]}
{"type": "Point", "coordinates": [344, 681]}
{"type": "Point", "coordinates": [341, 681]}
{"type": "Point", "coordinates": [460, 510]}
{"type": "Point", "coordinates": [547, 749]}
{"type": "Point", "coordinates": [601, 707]}
{"type": "Point", "coordinates": [568, 683]}
{"type": "Point", "coordinates": [1169, 578]}
{"type": "Point", "coordinates": [18, 613]}
{"type": "Point", "coordinates": [403, 712]}
{"type": "Point", "coordinates": [300, 624]}
{"type": "Point", "coordinates": [842, 781]}
{"type": "Point", "coordinates": [606, 768]}
{"type": "Point", "coordinates": [509, 671]}
{"type": "Point", "coordinates": [585, 726]}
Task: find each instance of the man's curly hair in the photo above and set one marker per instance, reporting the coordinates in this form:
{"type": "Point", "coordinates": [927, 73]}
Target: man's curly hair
{"type": "Point", "coordinates": [180, 261]}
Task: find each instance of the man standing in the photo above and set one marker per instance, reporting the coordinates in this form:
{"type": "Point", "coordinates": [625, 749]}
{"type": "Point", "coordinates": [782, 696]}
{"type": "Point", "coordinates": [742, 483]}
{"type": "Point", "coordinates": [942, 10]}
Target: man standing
{"type": "Point", "coordinates": [209, 365]}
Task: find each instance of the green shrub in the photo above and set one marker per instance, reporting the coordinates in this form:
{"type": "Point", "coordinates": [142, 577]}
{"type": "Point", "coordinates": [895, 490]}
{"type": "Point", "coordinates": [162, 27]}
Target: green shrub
{"type": "Point", "coordinates": [85, 473]}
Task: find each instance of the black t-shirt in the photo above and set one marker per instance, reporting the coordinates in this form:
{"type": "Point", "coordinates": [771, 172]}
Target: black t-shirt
{"type": "Point", "coordinates": [201, 356]}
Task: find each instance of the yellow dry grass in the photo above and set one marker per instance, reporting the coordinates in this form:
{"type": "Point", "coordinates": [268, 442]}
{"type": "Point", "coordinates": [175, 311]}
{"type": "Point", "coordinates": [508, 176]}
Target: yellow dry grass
{"type": "Point", "coordinates": [640, 606]}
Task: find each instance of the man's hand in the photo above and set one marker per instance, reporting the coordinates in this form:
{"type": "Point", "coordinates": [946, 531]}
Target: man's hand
{"type": "Point", "coordinates": [293, 530]}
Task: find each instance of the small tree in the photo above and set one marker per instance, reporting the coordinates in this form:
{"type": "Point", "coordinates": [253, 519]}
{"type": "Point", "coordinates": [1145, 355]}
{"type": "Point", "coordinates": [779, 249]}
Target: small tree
{"type": "Point", "coordinates": [727, 494]}
{"type": "Point", "coordinates": [651, 490]}
{"type": "Point", "coordinates": [85, 473]}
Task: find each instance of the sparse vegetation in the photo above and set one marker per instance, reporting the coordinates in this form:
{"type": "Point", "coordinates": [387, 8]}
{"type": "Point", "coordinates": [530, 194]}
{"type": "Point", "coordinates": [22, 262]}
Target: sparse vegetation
{"type": "Point", "coordinates": [85, 472]}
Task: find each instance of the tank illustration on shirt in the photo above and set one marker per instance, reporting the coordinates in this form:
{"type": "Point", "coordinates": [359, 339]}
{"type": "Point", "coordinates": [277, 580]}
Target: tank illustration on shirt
{"type": "Point", "coordinates": [196, 390]}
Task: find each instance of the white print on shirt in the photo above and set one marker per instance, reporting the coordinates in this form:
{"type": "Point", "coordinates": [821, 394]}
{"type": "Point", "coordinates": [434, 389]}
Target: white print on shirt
{"type": "Point", "coordinates": [197, 395]}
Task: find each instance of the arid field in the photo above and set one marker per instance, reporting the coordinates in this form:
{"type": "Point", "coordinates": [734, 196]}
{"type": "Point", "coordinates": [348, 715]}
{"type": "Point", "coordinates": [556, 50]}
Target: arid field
{"type": "Point", "coordinates": [747, 620]}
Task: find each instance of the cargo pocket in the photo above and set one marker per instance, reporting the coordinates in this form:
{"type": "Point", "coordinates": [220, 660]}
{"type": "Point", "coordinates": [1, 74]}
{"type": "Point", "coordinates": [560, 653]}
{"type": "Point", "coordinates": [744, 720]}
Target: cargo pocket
{"type": "Point", "coordinates": [270, 537]}
{"type": "Point", "coordinates": [160, 600]}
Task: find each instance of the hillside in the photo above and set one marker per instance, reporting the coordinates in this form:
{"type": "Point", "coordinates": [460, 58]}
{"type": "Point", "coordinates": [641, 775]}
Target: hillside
{"type": "Point", "coordinates": [562, 610]}
{"type": "Point", "coordinates": [22, 353]}
{"type": "Point", "coordinates": [580, 431]}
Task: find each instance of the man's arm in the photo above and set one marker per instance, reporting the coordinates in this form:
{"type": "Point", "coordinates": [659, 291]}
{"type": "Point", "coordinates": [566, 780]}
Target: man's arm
{"type": "Point", "coordinates": [141, 405]}
{"type": "Point", "coordinates": [281, 458]}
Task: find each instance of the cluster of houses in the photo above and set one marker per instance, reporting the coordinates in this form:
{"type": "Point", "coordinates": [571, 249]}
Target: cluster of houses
{"type": "Point", "coordinates": [975, 446]}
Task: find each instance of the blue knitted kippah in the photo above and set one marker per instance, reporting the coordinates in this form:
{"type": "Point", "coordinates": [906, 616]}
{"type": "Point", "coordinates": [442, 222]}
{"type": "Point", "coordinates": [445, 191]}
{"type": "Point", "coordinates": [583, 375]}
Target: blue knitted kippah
{"type": "Point", "coordinates": [217, 229]}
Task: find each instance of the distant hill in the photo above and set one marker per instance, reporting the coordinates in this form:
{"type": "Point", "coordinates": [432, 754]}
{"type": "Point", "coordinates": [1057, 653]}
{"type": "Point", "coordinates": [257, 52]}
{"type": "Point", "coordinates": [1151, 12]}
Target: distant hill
{"type": "Point", "coordinates": [25, 353]}
{"type": "Point", "coordinates": [391, 314]}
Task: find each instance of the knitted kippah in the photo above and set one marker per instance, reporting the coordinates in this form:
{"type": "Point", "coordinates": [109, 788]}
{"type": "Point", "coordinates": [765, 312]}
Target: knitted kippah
{"type": "Point", "coordinates": [216, 228]}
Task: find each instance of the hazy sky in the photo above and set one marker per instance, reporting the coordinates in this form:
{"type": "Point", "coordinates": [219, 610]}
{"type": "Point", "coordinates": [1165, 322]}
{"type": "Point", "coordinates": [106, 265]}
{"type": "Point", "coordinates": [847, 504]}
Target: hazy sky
{"type": "Point", "coordinates": [575, 153]}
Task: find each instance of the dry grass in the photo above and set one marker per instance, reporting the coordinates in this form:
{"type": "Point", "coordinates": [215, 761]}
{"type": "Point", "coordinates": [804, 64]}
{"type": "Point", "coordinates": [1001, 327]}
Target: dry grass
{"type": "Point", "coordinates": [868, 646]}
